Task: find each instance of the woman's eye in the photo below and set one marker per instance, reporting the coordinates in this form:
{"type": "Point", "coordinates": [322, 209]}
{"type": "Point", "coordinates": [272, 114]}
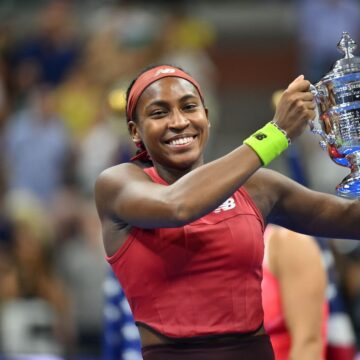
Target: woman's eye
{"type": "Point", "coordinates": [158, 113]}
{"type": "Point", "coordinates": [190, 106]}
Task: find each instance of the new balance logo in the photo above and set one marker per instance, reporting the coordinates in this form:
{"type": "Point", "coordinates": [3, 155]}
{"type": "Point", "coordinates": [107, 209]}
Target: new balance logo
{"type": "Point", "coordinates": [260, 136]}
{"type": "Point", "coordinates": [227, 205]}
{"type": "Point", "coordinates": [165, 71]}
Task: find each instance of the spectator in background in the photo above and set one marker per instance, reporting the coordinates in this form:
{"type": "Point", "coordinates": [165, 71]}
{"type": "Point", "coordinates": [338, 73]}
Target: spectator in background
{"type": "Point", "coordinates": [78, 100]}
{"type": "Point", "coordinates": [106, 142]}
{"type": "Point", "coordinates": [79, 263]}
{"type": "Point", "coordinates": [4, 90]}
{"type": "Point", "coordinates": [25, 78]}
{"type": "Point", "coordinates": [347, 257]}
{"type": "Point", "coordinates": [123, 37]}
{"type": "Point", "coordinates": [293, 295]}
{"type": "Point", "coordinates": [54, 48]}
{"type": "Point", "coordinates": [36, 147]}
{"type": "Point", "coordinates": [34, 307]}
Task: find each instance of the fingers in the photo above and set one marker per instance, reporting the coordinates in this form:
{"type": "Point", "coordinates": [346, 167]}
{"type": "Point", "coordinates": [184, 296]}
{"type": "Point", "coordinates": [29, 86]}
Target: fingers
{"type": "Point", "coordinates": [312, 105]}
{"type": "Point", "coordinates": [303, 101]}
{"type": "Point", "coordinates": [307, 96]}
{"type": "Point", "coordinates": [299, 78]}
{"type": "Point", "coordinates": [299, 84]}
{"type": "Point", "coordinates": [295, 82]}
{"type": "Point", "coordinates": [300, 99]}
{"type": "Point", "coordinates": [296, 107]}
{"type": "Point", "coordinates": [299, 93]}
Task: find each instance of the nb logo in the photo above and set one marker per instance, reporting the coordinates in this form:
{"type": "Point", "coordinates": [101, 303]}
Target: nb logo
{"type": "Point", "coordinates": [227, 205]}
{"type": "Point", "coordinates": [165, 71]}
{"type": "Point", "coordinates": [260, 136]}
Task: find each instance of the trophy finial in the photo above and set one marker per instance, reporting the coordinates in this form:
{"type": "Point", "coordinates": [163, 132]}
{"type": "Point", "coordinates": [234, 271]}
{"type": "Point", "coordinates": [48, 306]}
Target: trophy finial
{"type": "Point", "coordinates": [347, 45]}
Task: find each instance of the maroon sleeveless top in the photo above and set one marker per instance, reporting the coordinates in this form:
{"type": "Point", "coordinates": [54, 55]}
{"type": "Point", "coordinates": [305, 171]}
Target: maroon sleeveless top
{"type": "Point", "coordinates": [200, 279]}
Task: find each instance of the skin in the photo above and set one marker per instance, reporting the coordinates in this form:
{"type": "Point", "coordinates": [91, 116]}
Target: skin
{"type": "Point", "coordinates": [295, 260]}
{"type": "Point", "coordinates": [171, 108]}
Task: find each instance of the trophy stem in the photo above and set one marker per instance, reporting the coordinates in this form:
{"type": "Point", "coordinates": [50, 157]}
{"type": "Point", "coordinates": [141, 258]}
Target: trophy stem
{"type": "Point", "coordinates": [350, 186]}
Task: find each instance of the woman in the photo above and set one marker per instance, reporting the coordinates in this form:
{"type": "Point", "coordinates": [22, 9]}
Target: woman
{"type": "Point", "coordinates": [185, 239]}
{"type": "Point", "coordinates": [294, 301]}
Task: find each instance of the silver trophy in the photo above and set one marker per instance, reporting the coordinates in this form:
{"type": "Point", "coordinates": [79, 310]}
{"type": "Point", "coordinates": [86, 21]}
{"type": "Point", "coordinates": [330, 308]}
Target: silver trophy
{"type": "Point", "coordinates": [337, 95]}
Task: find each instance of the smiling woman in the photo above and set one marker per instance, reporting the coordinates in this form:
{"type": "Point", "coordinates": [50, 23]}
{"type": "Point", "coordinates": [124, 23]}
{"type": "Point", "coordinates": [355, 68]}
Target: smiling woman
{"type": "Point", "coordinates": [184, 238]}
{"type": "Point", "coordinates": [157, 102]}
{"type": "Point", "coordinates": [175, 128]}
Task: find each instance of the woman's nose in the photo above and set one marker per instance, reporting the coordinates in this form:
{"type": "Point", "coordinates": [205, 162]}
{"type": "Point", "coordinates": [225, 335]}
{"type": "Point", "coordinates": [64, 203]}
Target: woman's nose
{"type": "Point", "coordinates": [179, 120]}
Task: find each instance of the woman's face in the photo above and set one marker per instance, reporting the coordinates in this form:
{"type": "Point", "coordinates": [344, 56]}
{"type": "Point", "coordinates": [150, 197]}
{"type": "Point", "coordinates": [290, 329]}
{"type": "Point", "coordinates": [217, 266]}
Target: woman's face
{"type": "Point", "coordinates": [172, 123]}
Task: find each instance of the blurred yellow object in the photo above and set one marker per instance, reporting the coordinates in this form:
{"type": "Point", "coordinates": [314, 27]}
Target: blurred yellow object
{"type": "Point", "coordinates": [276, 97]}
{"type": "Point", "coordinates": [78, 110]}
{"type": "Point", "coordinates": [26, 209]}
{"type": "Point", "coordinates": [117, 100]}
{"type": "Point", "coordinates": [193, 33]}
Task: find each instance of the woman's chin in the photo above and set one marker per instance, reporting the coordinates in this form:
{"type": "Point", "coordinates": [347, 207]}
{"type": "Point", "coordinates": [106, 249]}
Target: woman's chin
{"type": "Point", "coordinates": [187, 161]}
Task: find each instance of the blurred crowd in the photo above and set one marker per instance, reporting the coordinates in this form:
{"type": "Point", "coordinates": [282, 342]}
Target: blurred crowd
{"type": "Point", "coordinates": [62, 88]}
{"type": "Point", "coordinates": [63, 77]}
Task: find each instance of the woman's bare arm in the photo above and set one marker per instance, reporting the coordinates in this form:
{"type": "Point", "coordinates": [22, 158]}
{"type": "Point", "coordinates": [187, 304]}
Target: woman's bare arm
{"type": "Point", "coordinates": [301, 209]}
{"type": "Point", "coordinates": [296, 262]}
{"type": "Point", "coordinates": [127, 193]}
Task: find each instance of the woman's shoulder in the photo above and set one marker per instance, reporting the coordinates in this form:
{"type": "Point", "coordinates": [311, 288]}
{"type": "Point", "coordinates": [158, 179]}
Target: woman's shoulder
{"type": "Point", "coordinates": [119, 174]}
{"type": "Point", "coordinates": [123, 169]}
{"type": "Point", "coordinates": [114, 180]}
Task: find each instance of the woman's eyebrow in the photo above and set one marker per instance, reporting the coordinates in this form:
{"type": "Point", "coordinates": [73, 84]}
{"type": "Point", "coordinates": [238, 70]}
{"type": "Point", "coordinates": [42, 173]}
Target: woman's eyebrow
{"type": "Point", "coordinates": [164, 103]}
{"type": "Point", "coordinates": [189, 96]}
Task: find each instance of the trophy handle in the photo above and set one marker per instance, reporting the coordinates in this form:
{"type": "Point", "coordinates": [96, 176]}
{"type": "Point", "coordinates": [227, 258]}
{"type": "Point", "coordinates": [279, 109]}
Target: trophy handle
{"type": "Point", "coordinates": [328, 139]}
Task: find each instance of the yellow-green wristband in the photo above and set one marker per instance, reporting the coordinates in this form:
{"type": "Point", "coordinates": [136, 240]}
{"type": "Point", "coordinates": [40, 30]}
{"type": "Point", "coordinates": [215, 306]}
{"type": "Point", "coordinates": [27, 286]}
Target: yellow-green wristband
{"type": "Point", "coordinates": [268, 142]}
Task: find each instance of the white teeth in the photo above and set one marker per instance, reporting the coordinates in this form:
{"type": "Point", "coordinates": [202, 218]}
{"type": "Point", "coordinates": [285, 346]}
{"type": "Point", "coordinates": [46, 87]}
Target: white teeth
{"type": "Point", "coordinates": [181, 141]}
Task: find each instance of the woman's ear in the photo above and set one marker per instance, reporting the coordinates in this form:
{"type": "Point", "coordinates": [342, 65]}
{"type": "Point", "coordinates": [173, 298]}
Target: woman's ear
{"type": "Point", "coordinates": [134, 133]}
{"type": "Point", "coordinates": [207, 116]}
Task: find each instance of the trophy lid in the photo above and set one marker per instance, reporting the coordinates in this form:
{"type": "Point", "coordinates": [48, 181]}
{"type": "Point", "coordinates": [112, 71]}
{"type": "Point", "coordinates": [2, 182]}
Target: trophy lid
{"type": "Point", "coordinates": [350, 63]}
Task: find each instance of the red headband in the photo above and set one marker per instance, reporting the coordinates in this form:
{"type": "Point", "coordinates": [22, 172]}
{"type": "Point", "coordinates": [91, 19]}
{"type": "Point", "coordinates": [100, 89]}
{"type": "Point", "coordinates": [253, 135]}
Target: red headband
{"type": "Point", "coordinates": [150, 76]}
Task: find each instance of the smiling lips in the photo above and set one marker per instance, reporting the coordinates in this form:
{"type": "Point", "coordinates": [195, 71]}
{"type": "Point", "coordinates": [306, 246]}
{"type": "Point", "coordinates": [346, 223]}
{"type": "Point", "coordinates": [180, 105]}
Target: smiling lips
{"type": "Point", "coordinates": [181, 141]}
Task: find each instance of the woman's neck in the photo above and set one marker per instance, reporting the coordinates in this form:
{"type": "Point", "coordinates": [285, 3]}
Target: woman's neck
{"type": "Point", "coordinates": [170, 175]}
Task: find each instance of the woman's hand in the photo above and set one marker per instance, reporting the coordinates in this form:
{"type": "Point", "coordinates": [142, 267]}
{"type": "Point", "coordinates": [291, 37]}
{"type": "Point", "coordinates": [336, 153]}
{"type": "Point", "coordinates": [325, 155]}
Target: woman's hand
{"type": "Point", "coordinates": [295, 108]}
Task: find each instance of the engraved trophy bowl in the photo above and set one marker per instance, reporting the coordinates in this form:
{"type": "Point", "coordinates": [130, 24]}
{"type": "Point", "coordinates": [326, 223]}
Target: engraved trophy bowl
{"type": "Point", "coordinates": [337, 96]}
